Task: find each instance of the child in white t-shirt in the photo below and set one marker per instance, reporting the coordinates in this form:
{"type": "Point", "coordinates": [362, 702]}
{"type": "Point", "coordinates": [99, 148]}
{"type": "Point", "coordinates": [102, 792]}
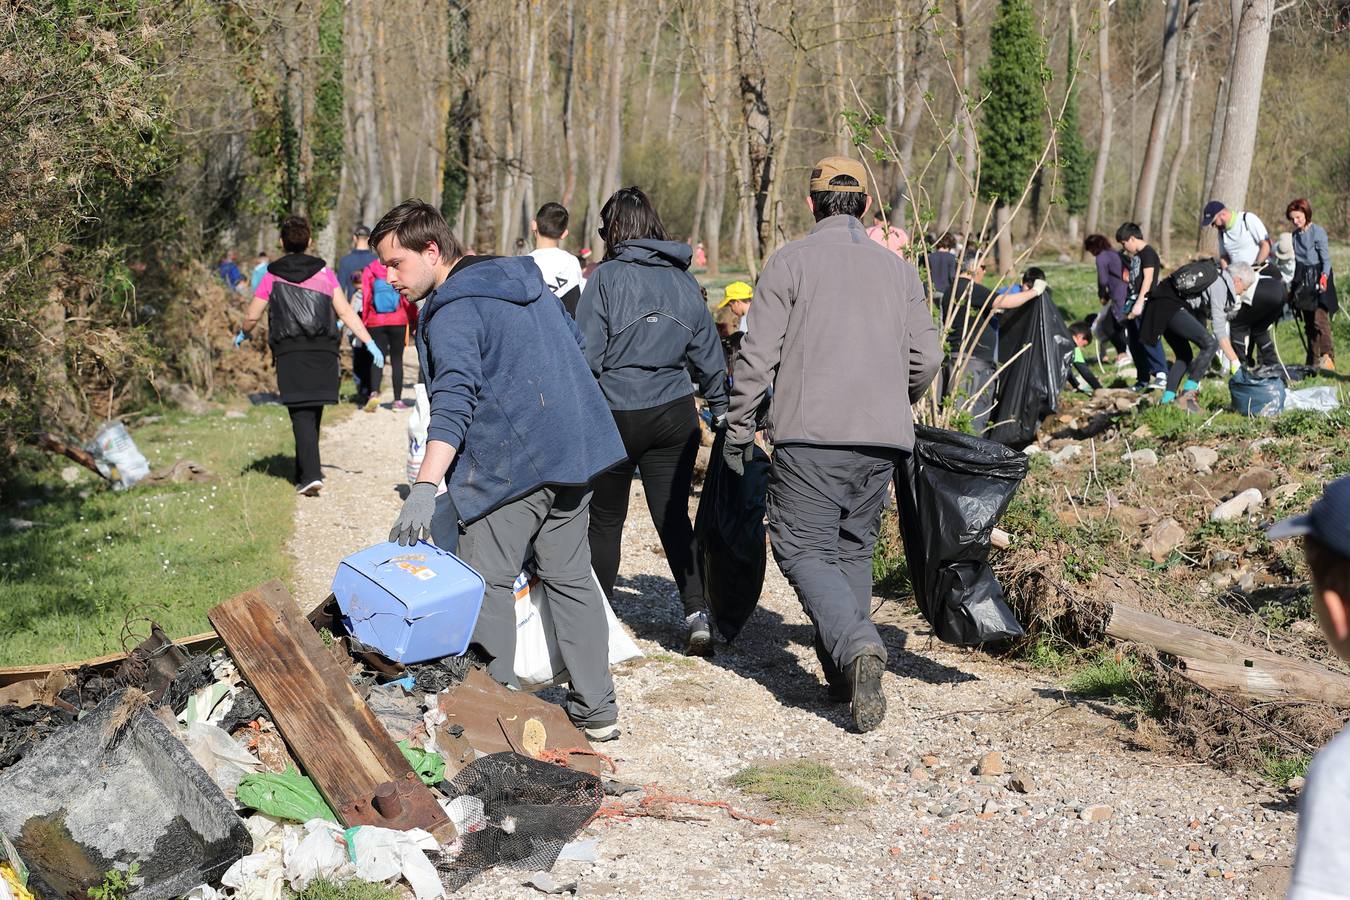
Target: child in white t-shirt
{"type": "Point", "coordinates": [1322, 863]}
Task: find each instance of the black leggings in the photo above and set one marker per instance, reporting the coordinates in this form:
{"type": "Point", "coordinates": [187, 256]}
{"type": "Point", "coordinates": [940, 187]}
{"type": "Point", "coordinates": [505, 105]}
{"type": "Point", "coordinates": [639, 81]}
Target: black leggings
{"type": "Point", "coordinates": [389, 338]}
{"type": "Point", "coordinates": [663, 442]}
{"type": "Point", "coordinates": [305, 426]}
{"type": "Point", "coordinates": [1182, 331]}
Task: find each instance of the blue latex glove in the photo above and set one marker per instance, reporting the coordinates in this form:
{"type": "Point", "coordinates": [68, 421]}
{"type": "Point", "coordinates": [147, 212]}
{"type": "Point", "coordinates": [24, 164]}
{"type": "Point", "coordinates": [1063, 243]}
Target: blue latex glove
{"type": "Point", "coordinates": [239, 339]}
{"type": "Point", "coordinates": [375, 354]}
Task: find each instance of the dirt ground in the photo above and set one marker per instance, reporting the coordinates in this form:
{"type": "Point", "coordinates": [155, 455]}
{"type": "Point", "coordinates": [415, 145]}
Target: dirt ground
{"type": "Point", "coordinates": [931, 828]}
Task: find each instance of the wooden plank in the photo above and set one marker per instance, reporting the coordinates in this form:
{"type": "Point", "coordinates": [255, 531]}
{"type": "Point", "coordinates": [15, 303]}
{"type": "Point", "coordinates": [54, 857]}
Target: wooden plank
{"type": "Point", "coordinates": [1128, 623]}
{"type": "Point", "coordinates": [13, 674]}
{"type": "Point", "coordinates": [327, 725]}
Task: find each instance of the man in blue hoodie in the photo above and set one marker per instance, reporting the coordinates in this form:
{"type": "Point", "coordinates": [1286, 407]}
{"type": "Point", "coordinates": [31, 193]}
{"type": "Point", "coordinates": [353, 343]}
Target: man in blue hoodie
{"type": "Point", "coordinates": [521, 428]}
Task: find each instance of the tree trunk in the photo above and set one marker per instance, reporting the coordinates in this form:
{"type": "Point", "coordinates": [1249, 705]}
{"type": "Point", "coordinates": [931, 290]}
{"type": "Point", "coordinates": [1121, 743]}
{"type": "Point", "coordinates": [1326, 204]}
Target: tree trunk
{"type": "Point", "coordinates": [1108, 115]}
{"type": "Point", "coordinates": [1244, 104]}
{"type": "Point", "coordinates": [390, 135]}
{"type": "Point", "coordinates": [568, 102]}
{"type": "Point", "coordinates": [756, 116]}
{"type": "Point", "coordinates": [614, 154]}
{"type": "Point", "coordinates": [1004, 246]}
{"type": "Point", "coordinates": [700, 200]}
{"type": "Point", "coordinates": [1174, 173]}
{"type": "Point", "coordinates": [776, 235]}
{"type": "Point", "coordinates": [652, 56]}
{"type": "Point", "coordinates": [674, 97]}
{"type": "Point", "coordinates": [842, 142]}
{"type": "Point", "coordinates": [1217, 121]}
{"type": "Point", "coordinates": [1151, 167]}
{"type": "Point", "coordinates": [969, 147]}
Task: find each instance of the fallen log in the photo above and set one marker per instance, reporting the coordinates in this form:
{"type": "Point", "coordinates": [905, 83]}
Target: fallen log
{"type": "Point", "coordinates": [53, 444]}
{"type": "Point", "coordinates": [1267, 681]}
{"type": "Point", "coordinates": [1221, 663]}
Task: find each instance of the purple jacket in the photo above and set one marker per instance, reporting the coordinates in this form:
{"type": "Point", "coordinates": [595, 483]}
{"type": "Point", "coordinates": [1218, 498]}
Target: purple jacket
{"type": "Point", "coordinates": [1110, 284]}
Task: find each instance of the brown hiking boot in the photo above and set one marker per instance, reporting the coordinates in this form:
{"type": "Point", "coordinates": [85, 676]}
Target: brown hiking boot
{"type": "Point", "coordinates": [1188, 402]}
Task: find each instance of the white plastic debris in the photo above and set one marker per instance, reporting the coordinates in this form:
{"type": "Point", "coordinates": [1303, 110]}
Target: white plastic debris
{"type": "Point", "coordinates": [224, 760]}
{"type": "Point", "coordinates": [383, 854]}
{"type": "Point", "coordinates": [315, 851]}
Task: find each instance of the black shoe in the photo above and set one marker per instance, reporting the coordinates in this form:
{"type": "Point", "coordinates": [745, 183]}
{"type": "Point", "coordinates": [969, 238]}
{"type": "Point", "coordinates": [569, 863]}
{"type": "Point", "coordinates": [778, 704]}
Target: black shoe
{"type": "Point", "coordinates": [839, 693]}
{"type": "Point", "coordinates": [869, 704]}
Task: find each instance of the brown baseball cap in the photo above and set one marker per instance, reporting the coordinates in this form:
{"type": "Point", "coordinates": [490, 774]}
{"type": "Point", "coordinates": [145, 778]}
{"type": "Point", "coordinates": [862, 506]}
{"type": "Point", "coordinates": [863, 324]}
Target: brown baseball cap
{"type": "Point", "coordinates": [831, 166]}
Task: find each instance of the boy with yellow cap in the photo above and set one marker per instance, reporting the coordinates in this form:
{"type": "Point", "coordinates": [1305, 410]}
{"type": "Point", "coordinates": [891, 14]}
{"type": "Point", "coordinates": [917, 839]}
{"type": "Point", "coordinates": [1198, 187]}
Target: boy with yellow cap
{"type": "Point", "coordinates": [735, 306]}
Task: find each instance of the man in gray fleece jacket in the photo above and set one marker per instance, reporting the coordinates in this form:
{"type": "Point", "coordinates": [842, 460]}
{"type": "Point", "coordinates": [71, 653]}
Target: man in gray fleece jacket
{"type": "Point", "coordinates": [842, 335]}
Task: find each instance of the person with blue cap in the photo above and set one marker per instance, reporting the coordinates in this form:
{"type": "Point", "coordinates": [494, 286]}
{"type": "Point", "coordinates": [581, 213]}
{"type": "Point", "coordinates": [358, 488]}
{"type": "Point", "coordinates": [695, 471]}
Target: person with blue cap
{"type": "Point", "coordinates": [1321, 865]}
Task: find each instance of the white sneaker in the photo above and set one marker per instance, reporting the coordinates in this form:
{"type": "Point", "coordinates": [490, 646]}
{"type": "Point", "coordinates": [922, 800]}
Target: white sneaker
{"type": "Point", "coordinates": [1124, 360]}
{"type": "Point", "coordinates": [601, 734]}
{"type": "Point", "coordinates": [1159, 382]}
{"type": "Point", "coordinates": [312, 489]}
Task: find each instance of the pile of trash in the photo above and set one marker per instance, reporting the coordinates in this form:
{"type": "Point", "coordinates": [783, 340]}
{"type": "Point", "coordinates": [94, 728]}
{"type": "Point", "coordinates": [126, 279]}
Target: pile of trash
{"type": "Point", "coordinates": [279, 750]}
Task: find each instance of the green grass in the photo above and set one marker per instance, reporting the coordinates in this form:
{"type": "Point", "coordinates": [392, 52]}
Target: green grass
{"type": "Point", "coordinates": [352, 890]}
{"type": "Point", "coordinates": [800, 786]}
{"type": "Point", "coordinates": [1278, 767]}
{"type": "Point", "coordinates": [165, 552]}
{"type": "Point", "coordinates": [1113, 675]}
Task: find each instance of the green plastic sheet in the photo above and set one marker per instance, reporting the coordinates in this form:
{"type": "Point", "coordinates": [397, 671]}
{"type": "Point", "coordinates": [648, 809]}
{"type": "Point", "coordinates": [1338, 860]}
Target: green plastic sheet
{"type": "Point", "coordinates": [287, 796]}
{"type": "Point", "coordinates": [430, 767]}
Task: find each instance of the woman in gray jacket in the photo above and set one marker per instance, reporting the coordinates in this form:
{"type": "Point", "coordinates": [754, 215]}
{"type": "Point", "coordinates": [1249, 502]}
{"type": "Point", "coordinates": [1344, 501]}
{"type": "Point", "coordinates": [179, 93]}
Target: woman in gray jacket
{"type": "Point", "coordinates": [647, 329]}
{"type": "Point", "coordinates": [1314, 290]}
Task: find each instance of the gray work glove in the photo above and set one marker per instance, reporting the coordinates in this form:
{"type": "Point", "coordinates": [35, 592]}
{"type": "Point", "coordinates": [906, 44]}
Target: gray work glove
{"type": "Point", "coordinates": [737, 455]}
{"type": "Point", "coordinates": [415, 519]}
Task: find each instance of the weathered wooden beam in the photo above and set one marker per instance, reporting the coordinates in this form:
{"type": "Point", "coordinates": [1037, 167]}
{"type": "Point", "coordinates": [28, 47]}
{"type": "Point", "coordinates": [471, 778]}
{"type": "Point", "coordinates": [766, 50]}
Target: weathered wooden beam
{"type": "Point", "coordinates": [330, 730]}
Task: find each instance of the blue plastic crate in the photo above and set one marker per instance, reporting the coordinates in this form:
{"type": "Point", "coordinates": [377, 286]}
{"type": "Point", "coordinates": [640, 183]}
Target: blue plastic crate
{"type": "Point", "coordinates": [410, 603]}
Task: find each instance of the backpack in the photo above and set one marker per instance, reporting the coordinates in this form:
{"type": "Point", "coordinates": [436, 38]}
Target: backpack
{"type": "Point", "coordinates": [1194, 278]}
{"type": "Point", "coordinates": [386, 299]}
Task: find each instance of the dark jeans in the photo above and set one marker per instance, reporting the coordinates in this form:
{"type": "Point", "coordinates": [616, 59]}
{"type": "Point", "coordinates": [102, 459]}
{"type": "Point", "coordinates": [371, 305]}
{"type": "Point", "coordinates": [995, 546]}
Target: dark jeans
{"type": "Point", "coordinates": [1148, 358]}
{"type": "Point", "coordinates": [824, 506]}
{"type": "Point", "coordinates": [553, 521]}
{"type": "Point", "coordinates": [663, 443]}
{"type": "Point", "coordinates": [1182, 331]}
{"type": "Point", "coordinates": [389, 338]}
{"type": "Point", "coordinates": [1249, 330]}
{"type": "Point", "coordinates": [305, 426]}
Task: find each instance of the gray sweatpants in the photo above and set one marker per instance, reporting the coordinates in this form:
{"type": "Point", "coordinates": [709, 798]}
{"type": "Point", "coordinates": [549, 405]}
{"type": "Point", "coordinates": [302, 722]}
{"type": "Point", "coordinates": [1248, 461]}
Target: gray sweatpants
{"type": "Point", "coordinates": [555, 520]}
{"type": "Point", "coordinates": [824, 507]}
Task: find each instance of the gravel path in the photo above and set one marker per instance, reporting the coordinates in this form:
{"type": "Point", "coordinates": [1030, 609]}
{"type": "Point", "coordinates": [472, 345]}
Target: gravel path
{"type": "Point", "coordinates": [932, 829]}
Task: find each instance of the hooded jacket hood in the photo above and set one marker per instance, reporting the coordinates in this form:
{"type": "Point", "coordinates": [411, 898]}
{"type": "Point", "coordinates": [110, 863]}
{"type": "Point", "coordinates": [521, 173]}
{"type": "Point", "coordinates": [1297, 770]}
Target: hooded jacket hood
{"type": "Point", "coordinates": [675, 254]}
{"type": "Point", "coordinates": [296, 267]}
{"type": "Point", "coordinates": [512, 279]}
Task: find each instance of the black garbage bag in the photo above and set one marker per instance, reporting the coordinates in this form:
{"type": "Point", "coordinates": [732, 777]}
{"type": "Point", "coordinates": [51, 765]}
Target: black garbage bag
{"type": "Point", "coordinates": [951, 492]}
{"type": "Point", "coordinates": [1028, 389]}
{"type": "Point", "coordinates": [729, 528]}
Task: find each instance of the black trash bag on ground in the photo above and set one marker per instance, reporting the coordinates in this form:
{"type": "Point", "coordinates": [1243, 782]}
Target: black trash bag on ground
{"type": "Point", "coordinates": [1028, 389]}
{"type": "Point", "coordinates": [729, 528]}
{"type": "Point", "coordinates": [520, 812]}
{"type": "Point", "coordinates": [951, 492]}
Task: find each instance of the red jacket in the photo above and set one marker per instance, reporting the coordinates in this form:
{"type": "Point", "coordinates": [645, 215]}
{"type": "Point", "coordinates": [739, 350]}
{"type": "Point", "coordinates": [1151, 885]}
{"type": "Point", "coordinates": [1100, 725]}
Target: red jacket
{"type": "Point", "coordinates": [406, 314]}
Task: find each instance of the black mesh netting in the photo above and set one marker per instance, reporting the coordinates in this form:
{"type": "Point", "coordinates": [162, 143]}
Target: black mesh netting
{"type": "Point", "coordinates": [517, 812]}
{"type": "Point", "coordinates": [22, 729]}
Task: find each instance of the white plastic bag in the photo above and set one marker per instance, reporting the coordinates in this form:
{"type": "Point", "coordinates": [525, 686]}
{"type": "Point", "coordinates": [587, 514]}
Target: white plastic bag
{"type": "Point", "coordinates": [215, 751]}
{"type": "Point", "coordinates": [117, 456]}
{"type": "Point", "coordinates": [418, 420]}
{"type": "Point", "coordinates": [383, 854]}
{"type": "Point", "coordinates": [315, 851]}
{"type": "Point", "coordinates": [1319, 399]}
{"type": "Point", "coordinates": [539, 663]}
